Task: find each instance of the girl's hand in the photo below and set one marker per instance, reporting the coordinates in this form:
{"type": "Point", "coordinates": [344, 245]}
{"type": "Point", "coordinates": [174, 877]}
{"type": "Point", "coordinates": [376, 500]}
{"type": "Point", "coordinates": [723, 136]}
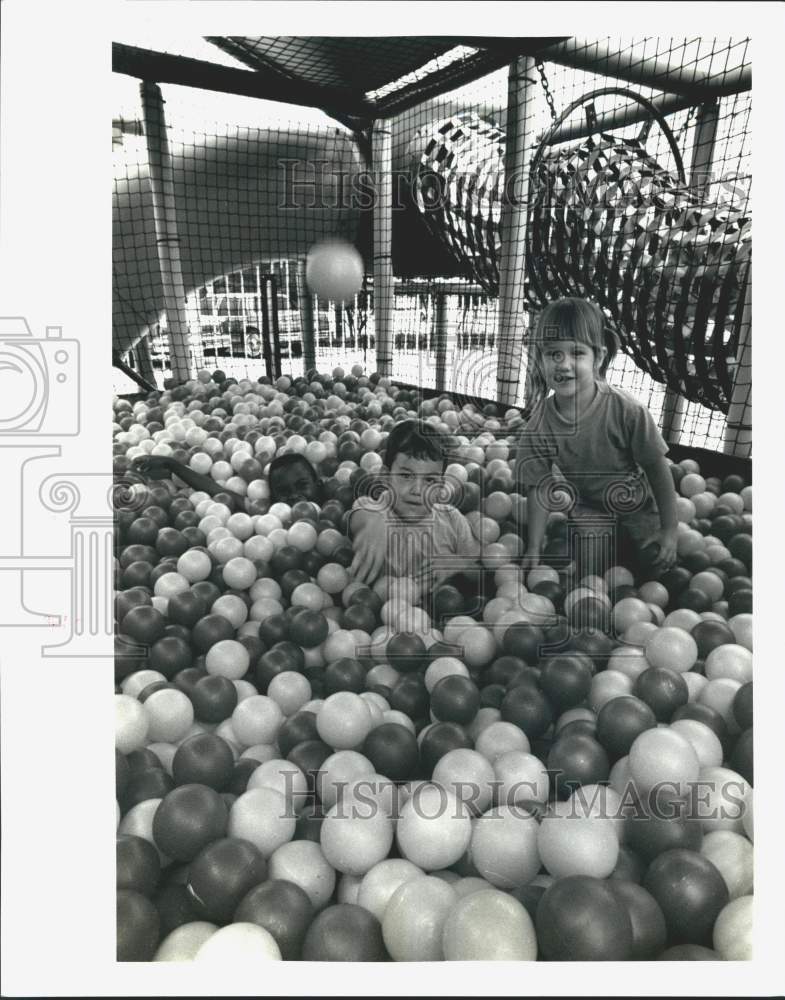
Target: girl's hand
{"type": "Point", "coordinates": [154, 465]}
{"type": "Point", "coordinates": [370, 549]}
{"type": "Point", "coordinates": [665, 540]}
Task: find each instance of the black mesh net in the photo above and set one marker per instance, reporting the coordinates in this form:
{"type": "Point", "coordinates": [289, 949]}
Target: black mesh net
{"type": "Point", "coordinates": [635, 193]}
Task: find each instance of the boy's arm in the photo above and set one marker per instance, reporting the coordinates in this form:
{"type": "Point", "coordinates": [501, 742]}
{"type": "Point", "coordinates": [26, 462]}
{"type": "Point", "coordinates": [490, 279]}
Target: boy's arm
{"type": "Point", "coordinates": [664, 493]}
{"type": "Point", "coordinates": [368, 529]}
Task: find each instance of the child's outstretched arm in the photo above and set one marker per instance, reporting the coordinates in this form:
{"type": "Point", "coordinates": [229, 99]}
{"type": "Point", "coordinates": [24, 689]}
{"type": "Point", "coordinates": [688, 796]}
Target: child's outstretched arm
{"type": "Point", "coordinates": [664, 492]}
{"type": "Point", "coordinates": [152, 464]}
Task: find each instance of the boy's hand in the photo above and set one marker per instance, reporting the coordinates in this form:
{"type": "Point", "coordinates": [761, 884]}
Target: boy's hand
{"type": "Point", "coordinates": [665, 540]}
{"type": "Point", "coordinates": [154, 465]}
{"type": "Point", "coordinates": [370, 549]}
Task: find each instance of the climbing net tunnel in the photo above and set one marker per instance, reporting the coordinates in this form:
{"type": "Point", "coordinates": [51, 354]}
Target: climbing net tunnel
{"type": "Point", "coordinates": [493, 177]}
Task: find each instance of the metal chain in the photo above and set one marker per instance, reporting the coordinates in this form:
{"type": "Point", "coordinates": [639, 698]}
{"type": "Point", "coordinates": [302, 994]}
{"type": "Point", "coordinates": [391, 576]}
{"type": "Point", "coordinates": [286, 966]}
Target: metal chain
{"type": "Point", "coordinates": [683, 130]}
{"type": "Point", "coordinates": [546, 88]}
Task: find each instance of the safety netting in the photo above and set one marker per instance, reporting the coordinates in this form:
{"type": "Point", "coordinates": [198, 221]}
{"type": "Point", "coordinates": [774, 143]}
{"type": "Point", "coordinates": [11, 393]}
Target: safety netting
{"type": "Point", "coordinates": [635, 176]}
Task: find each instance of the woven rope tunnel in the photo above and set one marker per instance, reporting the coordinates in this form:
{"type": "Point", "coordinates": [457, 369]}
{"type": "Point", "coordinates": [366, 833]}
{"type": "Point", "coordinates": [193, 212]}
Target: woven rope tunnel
{"type": "Point", "coordinates": [606, 222]}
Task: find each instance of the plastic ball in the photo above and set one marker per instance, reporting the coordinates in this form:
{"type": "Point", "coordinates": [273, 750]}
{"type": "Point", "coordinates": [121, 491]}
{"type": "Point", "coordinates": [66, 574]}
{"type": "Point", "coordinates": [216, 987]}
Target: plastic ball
{"type": "Point", "coordinates": [690, 892]}
{"type": "Point", "coordinates": [649, 933]}
{"type": "Point", "coordinates": [355, 836]}
{"type": "Point", "coordinates": [282, 908]}
{"type": "Point", "coordinates": [581, 846]}
{"type": "Point", "coordinates": [182, 944]}
{"type": "Point", "coordinates": [131, 724]}
{"type": "Point", "coordinates": [732, 856]}
{"type": "Point", "coordinates": [344, 721]}
{"type": "Point", "coordinates": [581, 919]}
{"type": "Point", "coordinates": [334, 270]}
{"type": "Point", "coordinates": [434, 828]}
{"type": "Point", "coordinates": [170, 715]}
{"type": "Point", "coordinates": [381, 882]}
{"type": "Point", "coordinates": [489, 926]}
{"type": "Point", "coordinates": [663, 755]}
{"type": "Point", "coordinates": [344, 933]}
{"type": "Point", "coordinates": [188, 819]}
{"type": "Point", "coordinates": [138, 927]}
{"type": "Point", "coordinates": [239, 945]}
{"type": "Point", "coordinates": [414, 920]}
{"type": "Point", "coordinates": [504, 846]}
{"type": "Point", "coordinates": [303, 863]}
{"type": "Point", "coordinates": [222, 874]}
{"type": "Point", "coordinates": [262, 817]}
{"type": "Point", "coordinates": [732, 936]}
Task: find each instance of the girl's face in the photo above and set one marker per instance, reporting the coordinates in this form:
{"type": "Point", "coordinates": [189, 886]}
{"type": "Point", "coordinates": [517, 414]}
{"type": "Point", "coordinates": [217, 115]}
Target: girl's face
{"type": "Point", "coordinates": [569, 367]}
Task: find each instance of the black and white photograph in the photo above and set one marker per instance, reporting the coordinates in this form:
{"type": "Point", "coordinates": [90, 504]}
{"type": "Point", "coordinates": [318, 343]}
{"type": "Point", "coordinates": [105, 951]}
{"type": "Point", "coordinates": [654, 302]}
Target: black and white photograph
{"type": "Point", "coordinates": [381, 591]}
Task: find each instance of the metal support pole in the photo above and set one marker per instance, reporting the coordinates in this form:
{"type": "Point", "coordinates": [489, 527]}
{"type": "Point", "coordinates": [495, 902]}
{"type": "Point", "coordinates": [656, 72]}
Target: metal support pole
{"type": "Point", "coordinates": [383, 294]}
{"type": "Point", "coordinates": [441, 336]}
{"type": "Point", "coordinates": [167, 239]}
{"type": "Point", "coordinates": [307, 319]}
{"type": "Point", "coordinates": [675, 405]}
{"type": "Point", "coordinates": [738, 426]}
{"type": "Point", "coordinates": [517, 158]}
{"type": "Point", "coordinates": [144, 363]}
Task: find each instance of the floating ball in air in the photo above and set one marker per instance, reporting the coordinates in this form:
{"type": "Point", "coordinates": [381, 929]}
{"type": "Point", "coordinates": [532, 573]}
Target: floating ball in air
{"type": "Point", "coordinates": [334, 270]}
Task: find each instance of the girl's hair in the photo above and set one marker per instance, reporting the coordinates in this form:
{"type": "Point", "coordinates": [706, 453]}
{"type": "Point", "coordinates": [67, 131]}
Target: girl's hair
{"type": "Point", "coordinates": [287, 461]}
{"type": "Point", "coordinates": [572, 319]}
{"type": "Point", "coordinates": [410, 437]}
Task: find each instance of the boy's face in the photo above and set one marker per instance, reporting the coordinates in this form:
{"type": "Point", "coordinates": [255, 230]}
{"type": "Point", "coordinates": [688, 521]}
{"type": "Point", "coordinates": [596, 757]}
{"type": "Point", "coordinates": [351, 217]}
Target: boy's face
{"type": "Point", "coordinates": [292, 484]}
{"type": "Point", "coordinates": [415, 482]}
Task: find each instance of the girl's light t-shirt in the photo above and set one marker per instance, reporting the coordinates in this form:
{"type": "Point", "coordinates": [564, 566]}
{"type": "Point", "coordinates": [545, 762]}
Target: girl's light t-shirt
{"type": "Point", "coordinates": [434, 547]}
{"type": "Point", "coordinates": [600, 456]}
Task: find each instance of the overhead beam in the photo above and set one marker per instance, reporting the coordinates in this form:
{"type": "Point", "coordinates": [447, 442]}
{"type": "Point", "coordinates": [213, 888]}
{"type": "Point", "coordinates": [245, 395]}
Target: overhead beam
{"type": "Point", "coordinates": [670, 77]}
{"type": "Point", "coordinates": [163, 67]}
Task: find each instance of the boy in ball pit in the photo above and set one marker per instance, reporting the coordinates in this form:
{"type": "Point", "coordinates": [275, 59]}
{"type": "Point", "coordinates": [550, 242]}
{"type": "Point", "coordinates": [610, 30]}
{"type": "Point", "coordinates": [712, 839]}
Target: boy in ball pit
{"type": "Point", "coordinates": [598, 445]}
{"type": "Point", "coordinates": [405, 527]}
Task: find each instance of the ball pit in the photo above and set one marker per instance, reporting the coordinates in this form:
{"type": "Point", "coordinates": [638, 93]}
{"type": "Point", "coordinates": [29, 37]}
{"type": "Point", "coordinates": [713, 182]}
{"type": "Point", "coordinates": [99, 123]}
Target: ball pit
{"type": "Point", "coordinates": [313, 768]}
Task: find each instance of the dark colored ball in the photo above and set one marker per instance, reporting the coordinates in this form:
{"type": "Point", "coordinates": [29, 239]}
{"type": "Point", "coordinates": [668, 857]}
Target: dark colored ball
{"type": "Point", "coordinates": [169, 655]}
{"type": "Point", "coordinates": [523, 641]}
{"type": "Point", "coordinates": [740, 602]}
{"type": "Point", "coordinates": [204, 759]}
{"type": "Point", "coordinates": [281, 908]}
{"type": "Point", "coordinates": [186, 608]}
{"type": "Point", "coordinates": [694, 599]}
{"type": "Point", "coordinates": [710, 634]}
{"type": "Point", "coordinates": [296, 729]}
{"type": "Point", "coordinates": [620, 721]}
{"type": "Point", "coordinates": [222, 874]}
{"type": "Point", "coordinates": [346, 674]}
{"type": "Point", "coordinates": [393, 751]}
{"type": "Point", "coordinates": [274, 629]}
{"type": "Point", "coordinates": [575, 761]}
{"type": "Point", "coordinates": [502, 670]}
{"type": "Point", "coordinates": [676, 580]}
{"type": "Point", "coordinates": [664, 691]}
{"type": "Point", "coordinates": [629, 866]}
{"type": "Point", "coordinates": [406, 652]}
{"type": "Point", "coordinates": [132, 598]}
{"type": "Point", "coordinates": [186, 680]}
{"type": "Point", "coordinates": [656, 825]}
{"type": "Point", "coordinates": [344, 933]}
{"type": "Point", "coordinates": [528, 709]}
{"type": "Point", "coordinates": [308, 628]}
{"type": "Point", "coordinates": [138, 927]}
{"type": "Point", "coordinates": [710, 716]}
{"type": "Point", "coordinates": [566, 680]}
{"type": "Point", "coordinates": [649, 934]}
{"type": "Point", "coordinates": [439, 740]}
{"type": "Point", "coordinates": [144, 624]}
{"type": "Point", "coordinates": [138, 865]}
{"type": "Point", "coordinates": [689, 953]}
{"type": "Point", "coordinates": [742, 706]}
{"type": "Point", "coordinates": [553, 591]}
{"type": "Point", "coordinates": [595, 645]}
{"type": "Point", "coordinates": [690, 892]}
{"type": "Point", "coordinates": [582, 919]}
{"type": "Point", "coordinates": [153, 783]}
{"type": "Point", "coordinates": [309, 757]}
{"type": "Point", "coordinates": [214, 698]}
{"type": "Point", "coordinates": [208, 592]}
{"type": "Point", "coordinates": [142, 760]}
{"type": "Point", "coordinates": [188, 819]}
{"type": "Point", "coordinates": [243, 769]}
{"type": "Point", "coordinates": [455, 699]}
{"type": "Point", "coordinates": [122, 774]}
{"type": "Point", "coordinates": [309, 824]}
{"type": "Point", "coordinates": [741, 759]}
{"type": "Point", "coordinates": [210, 630]}
{"type": "Point", "coordinates": [175, 907]}
{"type": "Point", "coordinates": [492, 696]}
{"type": "Point", "coordinates": [411, 697]}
